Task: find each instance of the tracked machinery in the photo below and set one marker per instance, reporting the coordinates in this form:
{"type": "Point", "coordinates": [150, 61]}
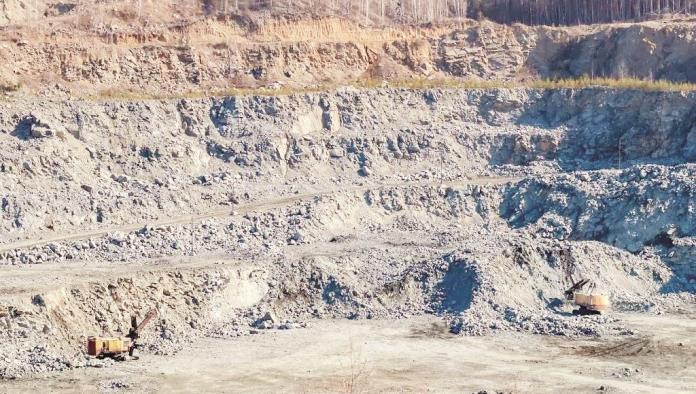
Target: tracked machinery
{"type": "Point", "coordinates": [582, 292]}
{"type": "Point", "coordinates": [588, 302]}
{"type": "Point", "coordinates": [118, 347]}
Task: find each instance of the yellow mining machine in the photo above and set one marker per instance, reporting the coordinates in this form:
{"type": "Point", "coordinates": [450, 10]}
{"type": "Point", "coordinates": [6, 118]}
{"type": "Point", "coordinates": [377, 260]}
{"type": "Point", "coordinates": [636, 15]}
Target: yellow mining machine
{"type": "Point", "coordinates": [117, 348]}
{"type": "Point", "coordinates": [588, 303]}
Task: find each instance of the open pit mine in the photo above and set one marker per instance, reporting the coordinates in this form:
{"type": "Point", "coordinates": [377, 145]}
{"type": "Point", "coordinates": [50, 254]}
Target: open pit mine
{"type": "Point", "coordinates": [347, 196]}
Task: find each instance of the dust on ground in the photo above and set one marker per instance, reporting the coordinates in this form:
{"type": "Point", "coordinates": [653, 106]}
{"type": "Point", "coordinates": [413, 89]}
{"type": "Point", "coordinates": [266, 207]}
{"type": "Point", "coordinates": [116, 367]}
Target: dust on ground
{"type": "Point", "coordinates": [407, 355]}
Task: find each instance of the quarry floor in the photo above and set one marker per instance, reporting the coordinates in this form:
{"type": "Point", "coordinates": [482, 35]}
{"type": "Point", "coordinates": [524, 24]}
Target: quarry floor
{"type": "Point", "coordinates": [407, 355]}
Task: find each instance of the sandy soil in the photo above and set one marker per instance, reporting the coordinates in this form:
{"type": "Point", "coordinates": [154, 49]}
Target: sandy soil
{"type": "Point", "coordinates": [410, 355]}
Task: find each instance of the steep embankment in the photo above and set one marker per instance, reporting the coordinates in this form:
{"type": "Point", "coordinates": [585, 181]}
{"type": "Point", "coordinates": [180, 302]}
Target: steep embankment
{"type": "Point", "coordinates": [88, 169]}
{"type": "Point", "coordinates": [210, 55]}
{"type": "Point", "coordinates": [85, 165]}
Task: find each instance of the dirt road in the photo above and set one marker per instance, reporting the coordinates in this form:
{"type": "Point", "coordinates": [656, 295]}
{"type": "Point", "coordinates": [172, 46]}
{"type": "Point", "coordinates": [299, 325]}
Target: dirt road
{"type": "Point", "coordinates": [411, 355]}
{"type": "Point", "coordinates": [239, 209]}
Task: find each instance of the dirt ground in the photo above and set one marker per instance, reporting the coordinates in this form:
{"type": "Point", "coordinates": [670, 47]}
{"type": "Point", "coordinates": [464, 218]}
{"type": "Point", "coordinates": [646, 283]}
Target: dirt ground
{"type": "Point", "coordinates": [409, 355]}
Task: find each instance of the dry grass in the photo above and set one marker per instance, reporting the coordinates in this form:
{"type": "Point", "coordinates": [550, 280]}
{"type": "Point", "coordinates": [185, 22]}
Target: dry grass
{"type": "Point", "coordinates": [615, 83]}
{"type": "Point", "coordinates": [358, 373]}
{"type": "Point", "coordinates": [574, 83]}
{"type": "Point", "coordinates": [415, 83]}
{"type": "Point", "coordinates": [128, 95]}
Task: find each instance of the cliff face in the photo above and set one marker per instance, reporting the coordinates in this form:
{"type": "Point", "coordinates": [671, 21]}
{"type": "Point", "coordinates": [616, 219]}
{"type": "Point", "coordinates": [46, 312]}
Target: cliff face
{"type": "Point", "coordinates": [76, 156]}
{"type": "Point", "coordinates": [233, 213]}
{"type": "Point", "coordinates": [211, 55]}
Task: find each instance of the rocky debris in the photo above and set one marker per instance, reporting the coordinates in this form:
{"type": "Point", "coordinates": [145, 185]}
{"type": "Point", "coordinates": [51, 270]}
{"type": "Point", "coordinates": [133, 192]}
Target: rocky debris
{"type": "Point", "coordinates": [638, 209]}
{"type": "Point", "coordinates": [468, 289]}
{"type": "Point", "coordinates": [39, 129]}
{"type": "Point", "coordinates": [399, 211]}
{"type": "Point", "coordinates": [181, 298]}
{"type": "Point", "coordinates": [114, 385]}
{"type": "Point", "coordinates": [295, 223]}
{"type": "Point", "coordinates": [22, 362]}
{"type": "Point", "coordinates": [626, 373]}
{"type": "Point", "coordinates": [266, 322]}
{"type": "Point", "coordinates": [270, 321]}
{"type": "Point", "coordinates": [246, 146]}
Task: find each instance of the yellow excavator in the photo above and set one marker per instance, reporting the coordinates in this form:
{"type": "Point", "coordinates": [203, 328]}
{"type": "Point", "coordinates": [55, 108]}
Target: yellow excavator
{"type": "Point", "coordinates": [116, 348]}
{"type": "Point", "coordinates": [588, 303]}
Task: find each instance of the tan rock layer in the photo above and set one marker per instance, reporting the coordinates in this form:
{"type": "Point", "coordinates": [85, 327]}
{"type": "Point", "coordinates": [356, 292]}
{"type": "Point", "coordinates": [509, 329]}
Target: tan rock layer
{"type": "Point", "coordinates": [213, 55]}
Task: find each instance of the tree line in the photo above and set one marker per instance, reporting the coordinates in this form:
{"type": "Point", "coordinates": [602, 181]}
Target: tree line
{"type": "Point", "coordinates": [574, 12]}
{"type": "Point", "coordinates": [532, 12]}
{"type": "Point", "coordinates": [373, 11]}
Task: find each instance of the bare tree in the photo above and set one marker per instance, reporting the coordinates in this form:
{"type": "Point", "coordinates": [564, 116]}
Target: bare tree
{"type": "Point", "coordinates": [570, 12]}
{"type": "Point", "coordinates": [548, 12]}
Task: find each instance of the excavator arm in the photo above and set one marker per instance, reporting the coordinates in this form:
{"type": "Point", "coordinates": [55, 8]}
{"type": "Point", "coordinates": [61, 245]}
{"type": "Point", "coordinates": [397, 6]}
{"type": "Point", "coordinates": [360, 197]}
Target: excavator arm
{"type": "Point", "coordinates": [135, 329]}
{"type": "Point", "coordinates": [134, 332]}
{"type": "Point", "coordinates": [577, 286]}
{"type": "Point", "coordinates": [150, 315]}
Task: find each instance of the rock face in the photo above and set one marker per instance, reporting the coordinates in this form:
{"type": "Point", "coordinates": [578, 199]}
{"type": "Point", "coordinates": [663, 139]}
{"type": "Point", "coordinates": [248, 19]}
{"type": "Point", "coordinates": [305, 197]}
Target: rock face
{"type": "Point", "coordinates": [458, 203]}
{"type": "Point", "coordinates": [153, 61]}
{"type": "Point", "coordinates": [146, 153]}
{"type": "Point", "coordinates": [138, 172]}
{"type": "Point", "coordinates": [656, 201]}
{"type": "Point", "coordinates": [201, 152]}
{"type": "Point", "coordinates": [646, 206]}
